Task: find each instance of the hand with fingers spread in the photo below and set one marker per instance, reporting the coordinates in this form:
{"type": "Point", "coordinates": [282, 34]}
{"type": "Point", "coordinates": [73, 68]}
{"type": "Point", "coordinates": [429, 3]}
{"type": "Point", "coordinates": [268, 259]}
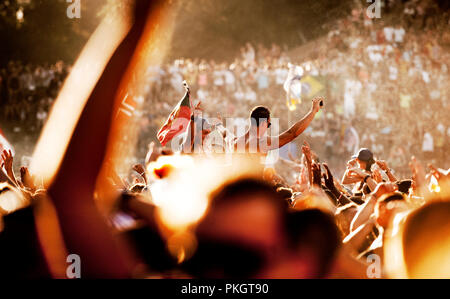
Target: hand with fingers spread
{"type": "Point", "coordinates": [383, 165]}
{"type": "Point", "coordinates": [139, 168]}
{"type": "Point", "coordinates": [8, 159]}
{"type": "Point", "coordinates": [306, 149]}
{"type": "Point", "coordinates": [376, 175]}
{"type": "Point", "coordinates": [7, 164]}
{"type": "Point", "coordinates": [328, 178]}
{"type": "Point", "coordinates": [317, 175]}
{"type": "Point", "coordinates": [358, 173]}
{"type": "Point", "coordinates": [198, 109]}
{"type": "Point", "coordinates": [27, 179]}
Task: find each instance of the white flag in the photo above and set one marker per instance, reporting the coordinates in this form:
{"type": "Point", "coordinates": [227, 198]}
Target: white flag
{"type": "Point", "coordinates": [293, 85]}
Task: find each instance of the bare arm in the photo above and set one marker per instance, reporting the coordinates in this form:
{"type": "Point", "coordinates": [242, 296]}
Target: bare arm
{"type": "Point", "coordinates": [357, 237]}
{"type": "Point", "coordinates": [383, 165]}
{"type": "Point", "coordinates": [297, 128]}
{"type": "Point", "coordinates": [364, 213]}
{"type": "Point", "coordinates": [7, 163]}
{"type": "Point", "coordinates": [363, 175]}
{"type": "Point", "coordinates": [349, 178]}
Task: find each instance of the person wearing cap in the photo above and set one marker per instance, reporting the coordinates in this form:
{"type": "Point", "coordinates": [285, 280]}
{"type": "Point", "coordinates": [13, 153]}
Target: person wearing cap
{"type": "Point", "coordinates": [363, 160]}
{"type": "Point", "coordinates": [256, 140]}
{"type": "Point", "coordinates": [359, 169]}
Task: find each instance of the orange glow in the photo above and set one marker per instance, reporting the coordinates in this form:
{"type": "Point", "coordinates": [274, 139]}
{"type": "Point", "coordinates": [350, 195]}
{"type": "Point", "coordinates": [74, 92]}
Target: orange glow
{"type": "Point", "coordinates": [72, 98]}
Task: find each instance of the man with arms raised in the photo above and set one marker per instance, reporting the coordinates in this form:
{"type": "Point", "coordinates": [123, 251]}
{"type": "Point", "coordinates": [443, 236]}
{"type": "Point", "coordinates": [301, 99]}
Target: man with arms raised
{"type": "Point", "coordinates": [256, 139]}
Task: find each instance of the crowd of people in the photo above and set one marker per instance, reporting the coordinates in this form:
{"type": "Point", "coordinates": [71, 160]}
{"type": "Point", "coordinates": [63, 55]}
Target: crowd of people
{"type": "Point", "coordinates": [255, 226]}
{"type": "Point", "coordinates": [367, 197]}
{"type": "Point", "coordinates": [380, 78]}
{"type": "Point", "coordinates": [28, 91]}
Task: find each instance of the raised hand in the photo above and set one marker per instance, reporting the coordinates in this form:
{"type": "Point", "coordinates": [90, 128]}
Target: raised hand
{"type": "Point", "coordinates": [317, 175]}
{"type": "Point", "coordinates": [376, 175]}
{"type": "Point", "coordinates": [27, 179]}
{"type": "Point", "coordinates": [307, 152]}
{"type": "Point", "coordinates": [383, 165]}
{"type": "Point", "coordinates": [7, 163]}
{"type": "Point", "coordinates": [352, 163]}
{"type": "Point", "coordinates": [8, 159]}
{"type": "Point", "coordinates": [317, 104]}
{"type": "Point", "coordinates": [199, 106]}
{"type": "Point", "coordinates": [418, 174]}
{"type": "Point", "coordinates": [358, 172]}
{"type": "Point", "coordinates": [306, 149]}
{"type": "Point", "coordinates": [328, 178]}
{"type": "Point", "coordinates": [139, 168]}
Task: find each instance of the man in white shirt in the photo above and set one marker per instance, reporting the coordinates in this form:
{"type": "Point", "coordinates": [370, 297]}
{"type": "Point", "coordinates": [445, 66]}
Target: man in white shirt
{"type": "Point", "coordinates": [388, 33]}
{"type": "Point", "coordinates": [428, 145]}
{"type": "Point", "coordinates": [399, 33]}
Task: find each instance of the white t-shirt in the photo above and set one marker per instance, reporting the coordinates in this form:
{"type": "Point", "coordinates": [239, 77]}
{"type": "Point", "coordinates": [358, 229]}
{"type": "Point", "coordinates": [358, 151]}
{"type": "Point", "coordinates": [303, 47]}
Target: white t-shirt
{"type": "Point", "coordinates": [218, 78]}
{"type": "Point", "coordinates": [399, 33]}
{"type": "Point", "coordinates": [229, 77]}
{"type": "Point", "coordinates": [374, 52]}
{"type": "Point", "coordinates": [250, 95]}
{"type": "Point", "coordinates": [388, 33]}
{"type": "Point", "coordinates": [280, 75]}
{"type": "Point", "coordinates": [393, 72]}
{"type": "Point", "coordinates": [428, 143]}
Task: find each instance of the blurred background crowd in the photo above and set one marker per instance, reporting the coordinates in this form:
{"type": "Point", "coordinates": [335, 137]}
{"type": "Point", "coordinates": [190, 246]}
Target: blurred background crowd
{"type": "Point", "coordinates": [386, 82]}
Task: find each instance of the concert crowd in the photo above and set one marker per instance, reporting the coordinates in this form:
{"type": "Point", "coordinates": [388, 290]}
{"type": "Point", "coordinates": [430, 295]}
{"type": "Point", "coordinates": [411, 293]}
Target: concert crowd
{"type": "Point", "coordinates": [363, 192]}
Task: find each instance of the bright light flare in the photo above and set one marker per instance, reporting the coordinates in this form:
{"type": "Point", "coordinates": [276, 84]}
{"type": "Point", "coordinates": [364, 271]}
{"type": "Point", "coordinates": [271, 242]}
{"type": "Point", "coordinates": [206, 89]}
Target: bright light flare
{"type": "Point", "coordinates": [182, 197]}
{"type": "Point", "coordinates": [72, 98]}
{"type": "Point", "coordinates": [19, 15]}
{"type": "Point", "coordinates": [433, 186]}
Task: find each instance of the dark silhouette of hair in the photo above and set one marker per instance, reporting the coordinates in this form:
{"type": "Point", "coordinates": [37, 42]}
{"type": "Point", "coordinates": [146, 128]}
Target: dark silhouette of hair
{"type": "Point", "coordinates": [424, 229]}
{"type": "Point", "coordinates": [369, 164]}
{"type": "Point", "coordinates": [404, 185]}
{"type": "Point", "coordinates": [243, 188]}
{"type": "Point", "coordinates": [259, 113]}
{"type": "Point", "coordinates": [317, 231]}
{"type": "Point", "coordinates": [21, 255]}
{"type": "Point", "coordinates": [285, 193]}
{"type": "Point", "coordinates": [216, 258]}
{"type": "Point", "coordinates": [391, 197]}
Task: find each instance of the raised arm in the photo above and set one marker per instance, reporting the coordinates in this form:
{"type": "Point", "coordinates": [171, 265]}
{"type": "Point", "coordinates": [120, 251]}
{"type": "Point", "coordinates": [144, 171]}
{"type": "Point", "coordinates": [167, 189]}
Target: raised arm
{"type": "Point", "coordinates": [7, 163]}
{"type": "Point", "coordinates": [383, 165]}
{"type": "Point", "coordinates": [298, 127]}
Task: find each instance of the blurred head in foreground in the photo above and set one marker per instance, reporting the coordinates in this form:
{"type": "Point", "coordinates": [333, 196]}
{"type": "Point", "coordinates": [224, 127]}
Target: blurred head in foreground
{"type": "Point", "coordinates": [426, 241]}
{"type": "Point", "coordinates": [248, 233]}
{"type": "Point", "coordinates": [387, 206]}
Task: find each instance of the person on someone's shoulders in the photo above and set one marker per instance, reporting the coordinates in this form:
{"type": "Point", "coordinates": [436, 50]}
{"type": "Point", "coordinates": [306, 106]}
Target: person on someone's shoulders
{"type": "Point", "coordinates": [256, 139]}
